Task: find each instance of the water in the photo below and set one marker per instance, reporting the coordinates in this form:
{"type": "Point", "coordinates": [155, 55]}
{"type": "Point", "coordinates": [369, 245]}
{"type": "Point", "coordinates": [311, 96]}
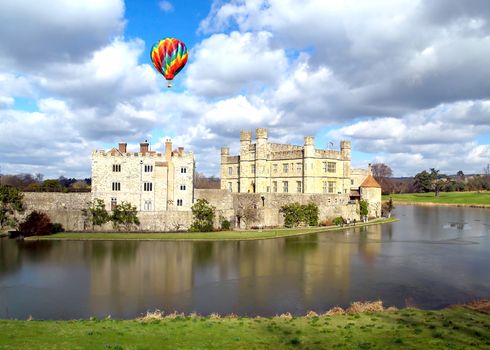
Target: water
{"type": "Point", "coordinates": [432, 257]}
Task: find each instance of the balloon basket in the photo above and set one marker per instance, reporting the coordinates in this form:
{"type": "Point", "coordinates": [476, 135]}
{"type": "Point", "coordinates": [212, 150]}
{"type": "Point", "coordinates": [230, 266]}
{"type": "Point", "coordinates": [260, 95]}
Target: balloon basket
{"type": "Point", "coordinates": [169, 85]}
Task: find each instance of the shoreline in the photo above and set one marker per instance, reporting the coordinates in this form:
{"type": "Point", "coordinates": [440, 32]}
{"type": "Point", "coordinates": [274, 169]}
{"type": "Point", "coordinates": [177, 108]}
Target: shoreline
{"type": "Point", "coordinates": [433, 204]}
{"type": "Point", "coordinates": [362, 326]}
{"type": "Point", "coordinates": [202, 236]}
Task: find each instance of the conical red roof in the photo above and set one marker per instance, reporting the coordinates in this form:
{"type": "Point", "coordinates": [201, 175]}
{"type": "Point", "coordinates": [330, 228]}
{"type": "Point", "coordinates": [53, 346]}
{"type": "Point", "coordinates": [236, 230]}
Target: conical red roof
{"type": "Point", "coordinates": [369, 181]}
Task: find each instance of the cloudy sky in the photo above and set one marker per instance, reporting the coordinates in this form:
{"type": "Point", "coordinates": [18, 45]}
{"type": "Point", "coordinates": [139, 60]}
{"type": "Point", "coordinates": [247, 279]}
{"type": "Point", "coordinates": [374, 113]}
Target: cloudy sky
{"type": "Point", "coordinates": [408, 82]}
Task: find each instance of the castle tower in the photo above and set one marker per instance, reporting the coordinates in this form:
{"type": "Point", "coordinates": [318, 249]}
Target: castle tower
{"type": "Point", "coordinates": [345, 153]}
{"type": "Point", "coordinates": [262, 171]}
{"type": "Point", "coordinates": [308, 162]}
{"type": "Point", "coordinates": [247, 159]}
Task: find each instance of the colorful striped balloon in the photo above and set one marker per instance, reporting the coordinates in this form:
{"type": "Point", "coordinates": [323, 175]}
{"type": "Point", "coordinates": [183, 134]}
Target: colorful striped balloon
{"type": "Point", "coordinates": [169, 56]}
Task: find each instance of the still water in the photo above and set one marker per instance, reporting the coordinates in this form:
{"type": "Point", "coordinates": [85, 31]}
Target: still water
{"type": "Point", "coordinates": [432, 257]}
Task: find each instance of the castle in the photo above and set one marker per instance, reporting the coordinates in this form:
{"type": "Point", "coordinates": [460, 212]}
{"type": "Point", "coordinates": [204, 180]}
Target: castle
{"type": "Point", "coordinates": [149, 180]}
{"type": "Point", "coordinates": [281, 168]}
{"type": "Point", "coordinates": [264, 176]}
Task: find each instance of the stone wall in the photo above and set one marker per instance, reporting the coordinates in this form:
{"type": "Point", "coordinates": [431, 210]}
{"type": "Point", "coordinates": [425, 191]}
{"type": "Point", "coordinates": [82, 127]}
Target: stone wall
{"type": "Point", "coordinates": [231, 205]}
{"type": "Point", "coordinates": [66, 208]}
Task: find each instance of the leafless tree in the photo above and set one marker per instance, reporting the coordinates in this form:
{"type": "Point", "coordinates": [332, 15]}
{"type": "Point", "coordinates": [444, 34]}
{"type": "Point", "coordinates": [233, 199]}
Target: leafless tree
{"type": "Point", "coordinates": [247, 208]}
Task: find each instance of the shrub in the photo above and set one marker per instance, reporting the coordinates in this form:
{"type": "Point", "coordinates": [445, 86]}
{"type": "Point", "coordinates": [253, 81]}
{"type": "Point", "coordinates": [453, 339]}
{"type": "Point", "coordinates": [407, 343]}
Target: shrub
{"type": "Point", "coordinates": [125, 214]}
{"type": "Point", "coordinates": [203, 214]}
{"type": "Point", "coordinates": [296, 214]}
{"type": "Point", "coordinates": [225, 225]}
{"type": "Point", "coordinates": [339, 220]}
{"type": "Point", "coordinates": [363, 208]}
{"type": "Point", "coordinates": [36, 224]}
{"type": "Point", "coordinates": [57, 227]}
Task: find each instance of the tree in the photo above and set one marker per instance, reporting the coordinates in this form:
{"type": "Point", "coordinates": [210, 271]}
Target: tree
{"type": "Point", "coordinates": [422, 182]}
{"type": "Point", "coordinates": [96, 213]}
{"type": "Point", "coordinates": [388, 207]}
{"type": "Point", "coordinates": [52, 185]}
{"type": "Point", "coordinates": [296, 214]}
{"type": "Point", "coordinates": [124, 214]}
{"type": "Point", "coordinates": [10, 204]}
{"type": "Point", "coordinates": [381, 173]}
{"type": "Point", "coordinates": [202, 181]}
{"type": "Point", "coordinates": [203, 214]}
{"type": "Point", "coordinates": [36, 224]}
{"type": "Point", "coordinates": [363, 208]}
{"type": "Point", "coordinates": [381, 170]}
{"type": "Point", "coordinates": [246, 208]}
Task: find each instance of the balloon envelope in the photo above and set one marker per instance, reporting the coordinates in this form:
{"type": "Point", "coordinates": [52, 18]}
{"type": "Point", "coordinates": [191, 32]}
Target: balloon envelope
{"type": "Point", "coordinates": [169, 56]}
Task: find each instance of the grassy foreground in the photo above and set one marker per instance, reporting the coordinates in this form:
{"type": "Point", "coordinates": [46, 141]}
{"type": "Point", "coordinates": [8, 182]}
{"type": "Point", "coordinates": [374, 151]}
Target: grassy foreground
{"type": "Point", "coordinates": [452, 328]}
{"type": "Point", "coordinates": [200, 236]}
{"type": "Point", "coordinates": [466, 198]}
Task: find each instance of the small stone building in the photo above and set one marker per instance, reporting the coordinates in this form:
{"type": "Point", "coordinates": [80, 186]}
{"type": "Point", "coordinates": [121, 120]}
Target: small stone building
{"type": "Point", "coordinates": [150, 180]}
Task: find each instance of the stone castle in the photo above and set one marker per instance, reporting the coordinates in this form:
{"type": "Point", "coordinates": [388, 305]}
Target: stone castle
{"type": "Point", "coordinates": [282, 168]}
{"type": "Point", "coordinates": [263, 178]}
{"type": "Point", "coordinates": [149, 180]}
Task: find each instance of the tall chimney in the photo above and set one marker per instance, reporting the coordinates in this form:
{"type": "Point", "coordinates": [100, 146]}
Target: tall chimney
{"type": "Point", "coordinates": [122, 147]}
{"type": "Point", "coordinates": [168, 149]}
{"type": "Point", "coordinates": [144, 147]}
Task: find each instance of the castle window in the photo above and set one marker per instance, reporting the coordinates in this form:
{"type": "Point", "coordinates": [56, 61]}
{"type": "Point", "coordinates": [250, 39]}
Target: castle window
{"type": "Point", "coordinates": [331, 167]}
{"type": "Point", "coordinates": [285, 186]}
{"type": "Point", "coordinates": [182, 187]}
{"type": "Point", "coordinates": [183, 170]}
{"type": "Point", "coordinates": [116, 186]}
{"type": "Point", "coordinates": [274, 168]}
{"type": "Point", "coordinates": [116, 168]}
{"type": "Point", "coordinates": [252, 168]}
{"type": "Point", "coordinates": [147, 205]}
{"type": "Point", "coordinates": [285, 167]}
{"type": "Point", "coordinates": [352, 182]}
{"type": "Point", "coordinates": [179, 202]}
{"type": "Point", "coordinates": [148, 168]}
{"type": "Point", "coordinates": [230, 187]}
{"type": "Point", "coordinates": [113, 203]}
{"type": "Point", "coordinates": [230, 170]}
{"type": "Point", "coordinates": [274, 186]}
{"type": "Point", "coordinates": [298, 186]}
{"type": "Point", "coordinates": [147, 186]}
{"type": "Point", "coordinates": [331, 187]}
{"type": "Point", "coordinates": [299, 167]}
{"type": "Point", "coordinates": [325, 187]}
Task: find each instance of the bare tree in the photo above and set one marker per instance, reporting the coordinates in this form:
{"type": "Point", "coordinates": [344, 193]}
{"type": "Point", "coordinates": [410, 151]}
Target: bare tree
{"type": "Point", "coordinates": [247, 208]}
{"type": "Point", "coordinates": [381, 173]}
{"type": "Point", "coordinates": [205, 182]}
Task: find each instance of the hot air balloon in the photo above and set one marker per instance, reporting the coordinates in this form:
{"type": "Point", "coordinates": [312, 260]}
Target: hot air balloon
{"type": "Point", "coordinates": [169, 56]}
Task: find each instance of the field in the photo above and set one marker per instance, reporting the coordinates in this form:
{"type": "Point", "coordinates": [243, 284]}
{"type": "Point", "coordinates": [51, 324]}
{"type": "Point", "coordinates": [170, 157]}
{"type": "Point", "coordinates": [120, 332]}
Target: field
{"type": "Point", "coordinates": [451, 328]}
{"type": "Point", "coordinates": [466, 198]}
{"type": "Point", "coordinates": [200, 236]}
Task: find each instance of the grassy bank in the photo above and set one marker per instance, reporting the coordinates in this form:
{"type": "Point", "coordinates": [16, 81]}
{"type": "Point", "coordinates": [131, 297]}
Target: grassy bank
{"type": "Point", "coordinates": [454, 198]}
{"type": "Point", "coordinates": [201, 236]}
{"type": "Point", "coordinates": [452, 328]}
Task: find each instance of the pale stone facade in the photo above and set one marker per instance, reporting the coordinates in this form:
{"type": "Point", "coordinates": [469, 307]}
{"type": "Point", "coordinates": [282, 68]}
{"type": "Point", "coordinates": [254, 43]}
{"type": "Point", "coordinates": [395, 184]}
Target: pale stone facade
{"type": "Point", "coordinates": [264, 167]}
{"type": "Point", "coordinates": [150, 180]}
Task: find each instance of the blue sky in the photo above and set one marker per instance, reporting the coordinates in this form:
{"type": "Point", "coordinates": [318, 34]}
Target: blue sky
{"type": "Point", "coordinates": [406, 81]}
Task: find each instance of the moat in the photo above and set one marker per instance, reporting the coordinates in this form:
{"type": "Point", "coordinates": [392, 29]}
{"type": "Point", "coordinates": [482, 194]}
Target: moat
{"type": "Point", "coordinates": [432, 257]}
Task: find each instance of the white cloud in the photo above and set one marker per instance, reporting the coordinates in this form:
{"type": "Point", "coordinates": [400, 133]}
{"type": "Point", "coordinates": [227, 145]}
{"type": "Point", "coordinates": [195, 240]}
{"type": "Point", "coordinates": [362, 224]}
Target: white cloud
{"type": "Point", "coordinates": [224, 64]}
{"type": "Point", "coordinates": [34, 33]}
{"type": "Point", "coordinates": [166, 6]}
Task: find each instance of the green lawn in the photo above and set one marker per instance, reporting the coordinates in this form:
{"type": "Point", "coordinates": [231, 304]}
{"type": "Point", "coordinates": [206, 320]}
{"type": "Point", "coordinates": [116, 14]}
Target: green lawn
{"type": "Point", "coordinates": [199, 236]}
{"type": "Point", "coordinates": [469, 198]}
{"type": "Point", "coordinates": [452, 328]}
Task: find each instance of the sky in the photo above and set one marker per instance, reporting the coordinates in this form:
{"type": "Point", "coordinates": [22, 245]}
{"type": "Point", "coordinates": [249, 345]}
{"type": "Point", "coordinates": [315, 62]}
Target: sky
{"type": "Point", "coordinates": [407, 81]}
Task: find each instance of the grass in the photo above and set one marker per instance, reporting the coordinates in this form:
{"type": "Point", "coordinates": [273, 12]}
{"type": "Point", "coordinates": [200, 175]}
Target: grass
{"type": "Point", "coordinates": [451, 328]}
{"type": "Point", "coordinates": [466, 198]}
{"type": "Point", "coordinates": [199, 236]}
